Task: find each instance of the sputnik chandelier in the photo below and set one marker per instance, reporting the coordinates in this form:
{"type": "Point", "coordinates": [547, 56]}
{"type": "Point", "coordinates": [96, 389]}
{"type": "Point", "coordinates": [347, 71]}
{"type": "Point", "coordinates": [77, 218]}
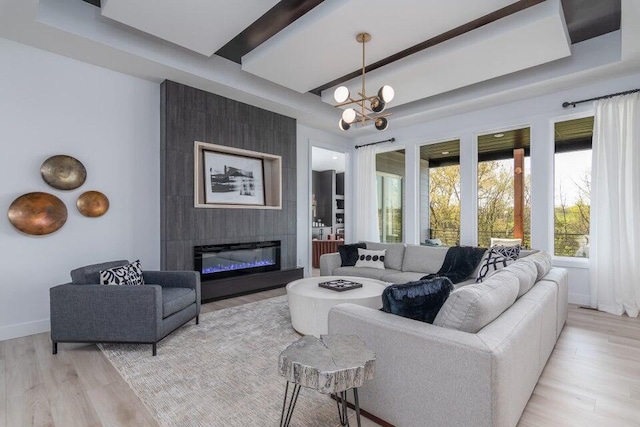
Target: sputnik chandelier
{"type": "Point", "coordinates": [367, 108]}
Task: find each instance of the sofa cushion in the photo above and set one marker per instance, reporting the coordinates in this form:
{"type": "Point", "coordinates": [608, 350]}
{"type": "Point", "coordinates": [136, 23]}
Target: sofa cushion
{"type": "Point", "coordinates": [90, 274]}
{"type": "Point", "coordinates": [424, 259]}
{"type": "Point", "coordinates": [472, 307]}
{"type": "Point", "coordinates": [526, 273]}
{"type": "Point", "coordinates": [125, 275]}
{"type": "Point", "coordinates": [371, 273]}
{"type": "Point", "coordinates": [176, 299]}
{"type": "Point", "coordinates": [371, 259]}
{"type": "Point", "coordinates": [393, 256]}
{"type": "Point", "coordinates": [542, 261]}
{"type": "Point", "coordinates": [402, 277]}
{"type": "Point", "coordinates": [527, 252]}
{"type": "Point", "coordinates": [349, 253]}
{"type": "Point", "coordinates": [419, 300]}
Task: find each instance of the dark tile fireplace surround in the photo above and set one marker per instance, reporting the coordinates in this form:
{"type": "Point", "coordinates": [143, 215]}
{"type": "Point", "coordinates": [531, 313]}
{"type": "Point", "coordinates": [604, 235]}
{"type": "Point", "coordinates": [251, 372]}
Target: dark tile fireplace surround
{"type": "Point", "coordinates": [189, 115]}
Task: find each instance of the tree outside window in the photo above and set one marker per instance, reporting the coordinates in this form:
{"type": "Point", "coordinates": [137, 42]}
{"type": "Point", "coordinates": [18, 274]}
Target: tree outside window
{"type": "Point", "coordinates": [572, 187]}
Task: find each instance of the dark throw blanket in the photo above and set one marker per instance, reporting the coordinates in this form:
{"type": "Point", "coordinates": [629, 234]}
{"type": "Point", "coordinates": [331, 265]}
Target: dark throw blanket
{"type": "Point", "coordinates": [459, 263]}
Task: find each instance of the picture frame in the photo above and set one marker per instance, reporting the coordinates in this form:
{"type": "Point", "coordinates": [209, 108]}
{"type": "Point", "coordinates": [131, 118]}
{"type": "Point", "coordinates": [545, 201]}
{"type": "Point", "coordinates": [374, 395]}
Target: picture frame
{"type": "Point", "coordinates": [233, 179]}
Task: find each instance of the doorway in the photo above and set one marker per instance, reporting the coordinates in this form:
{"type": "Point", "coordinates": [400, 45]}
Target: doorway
{"type": "Point", "coordinates": [327, 203]}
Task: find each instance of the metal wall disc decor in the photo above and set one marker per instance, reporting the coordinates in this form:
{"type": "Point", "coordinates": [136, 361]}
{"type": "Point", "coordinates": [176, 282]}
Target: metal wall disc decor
{"type": "Point", "coordinates": [63, 172]}
{"type": "Point", "coordinates": [37, 213]}
{"type": "Point", "coordinates": [92, 204]}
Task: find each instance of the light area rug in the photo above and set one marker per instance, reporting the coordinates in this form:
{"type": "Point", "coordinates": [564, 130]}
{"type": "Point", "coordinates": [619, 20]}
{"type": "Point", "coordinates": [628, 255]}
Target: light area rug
{"type": "Point", "coordinates": [223, 372]}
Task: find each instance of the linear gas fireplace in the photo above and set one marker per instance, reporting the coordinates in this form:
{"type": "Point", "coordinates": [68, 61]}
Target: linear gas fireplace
{"type": "Point", "coordinates": [220, 261]}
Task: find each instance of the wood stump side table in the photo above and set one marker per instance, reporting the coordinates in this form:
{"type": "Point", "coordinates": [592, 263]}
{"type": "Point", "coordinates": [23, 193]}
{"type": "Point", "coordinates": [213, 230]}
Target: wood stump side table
{"type": "Point", "coordinates": [330, 364]}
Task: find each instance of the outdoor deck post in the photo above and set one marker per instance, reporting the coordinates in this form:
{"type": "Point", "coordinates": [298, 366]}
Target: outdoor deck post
{"type": "Point", "coordinates": [518, 194]}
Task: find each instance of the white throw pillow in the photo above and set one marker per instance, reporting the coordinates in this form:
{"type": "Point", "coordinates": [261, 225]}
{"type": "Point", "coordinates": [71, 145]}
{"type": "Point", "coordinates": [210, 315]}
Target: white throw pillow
{"type": "Point", "coordinates": [371, 259]}
{"type": "Point", "coordinates": [127, 275]}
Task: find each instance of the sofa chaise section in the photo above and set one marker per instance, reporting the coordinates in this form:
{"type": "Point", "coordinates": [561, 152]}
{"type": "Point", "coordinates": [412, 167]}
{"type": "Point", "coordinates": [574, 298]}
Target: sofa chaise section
{"type": "Point", "coordinates": [432, 375]}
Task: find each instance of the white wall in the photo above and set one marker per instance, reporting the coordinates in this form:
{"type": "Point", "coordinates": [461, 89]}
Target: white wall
{"type": "Point", "coordinates": [538, 113]}
{"type": "Point", "coordinates": [306, 138]}
{"type": "Point", "coordinates": [50, 105]}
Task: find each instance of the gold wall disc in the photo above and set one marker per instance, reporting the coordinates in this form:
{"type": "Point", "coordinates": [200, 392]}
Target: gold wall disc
{"type": "Point", "coordinates": [63, 172]}
{"type": "Point", "coordinates": [37, 213]}
{"type": "Point", "coordinates": [92, 204]}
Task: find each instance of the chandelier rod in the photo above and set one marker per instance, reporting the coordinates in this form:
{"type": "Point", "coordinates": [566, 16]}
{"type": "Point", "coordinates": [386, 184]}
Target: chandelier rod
{"type": "Point", "coordinates": [364, 42]}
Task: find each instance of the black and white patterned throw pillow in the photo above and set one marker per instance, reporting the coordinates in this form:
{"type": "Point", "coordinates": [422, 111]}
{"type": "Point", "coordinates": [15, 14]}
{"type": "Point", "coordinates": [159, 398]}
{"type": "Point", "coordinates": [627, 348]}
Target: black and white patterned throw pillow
{"type": "Point", "coordinates": [496, 259]}
{"type": "Point", "coordinates": [371, 259]}
{"type": "Point", "coordinates": [511, 252]}
{"type": "Point", "coordinates": [127, 275]}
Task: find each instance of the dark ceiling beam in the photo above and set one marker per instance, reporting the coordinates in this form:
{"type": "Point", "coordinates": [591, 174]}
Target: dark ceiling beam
{"type": "Point", "coordinates": [93, 2]}
{"type": "Point", "coordinates": [276, 19]}
{"type": "Point", "coordinates": [469, 26]}
{"type": "Point", "coordinates": [587, 19]}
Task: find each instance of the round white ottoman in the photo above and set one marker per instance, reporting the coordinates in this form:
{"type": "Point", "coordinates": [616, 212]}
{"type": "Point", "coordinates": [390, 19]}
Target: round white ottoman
{"type": "Point", "coordinates": [309, 304]}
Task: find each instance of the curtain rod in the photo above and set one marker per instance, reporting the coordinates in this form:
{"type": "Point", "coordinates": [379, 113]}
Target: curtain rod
{"type": "Point", "coordinates": [566, 104]}
{"type": "Point", "coordinates": [376, 143]}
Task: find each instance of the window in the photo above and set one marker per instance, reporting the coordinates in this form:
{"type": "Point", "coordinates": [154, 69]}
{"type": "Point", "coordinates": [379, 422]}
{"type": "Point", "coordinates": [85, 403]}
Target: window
{"type": "Point", "coordinates": [504, 187]}
{"type": "Point", "coordinates": [572, 187]}
{"type": "Point", "coordinates": [390, 181]}
{"type": "Point", "coordinates": [440, 192]}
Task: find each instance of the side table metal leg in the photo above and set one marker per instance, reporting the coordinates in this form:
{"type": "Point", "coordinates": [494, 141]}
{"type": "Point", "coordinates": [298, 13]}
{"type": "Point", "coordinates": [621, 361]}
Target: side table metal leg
{"type": "Point", "coordinates": [356, 403]}
{"type": "Point", "coordinates": [286, 420]}
{"type": "Point", "coordinates": [342, 408]}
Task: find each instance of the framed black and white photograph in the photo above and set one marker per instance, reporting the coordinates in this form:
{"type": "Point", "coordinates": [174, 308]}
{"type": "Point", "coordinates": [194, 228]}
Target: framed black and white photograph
{"type": "Point", "coordinates": [231, 179]}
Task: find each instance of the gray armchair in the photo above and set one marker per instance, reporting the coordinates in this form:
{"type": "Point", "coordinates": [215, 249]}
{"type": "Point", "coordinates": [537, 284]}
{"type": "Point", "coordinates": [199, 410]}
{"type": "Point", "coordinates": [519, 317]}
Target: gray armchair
{"type": "Point", "coordinates": [85, 311]}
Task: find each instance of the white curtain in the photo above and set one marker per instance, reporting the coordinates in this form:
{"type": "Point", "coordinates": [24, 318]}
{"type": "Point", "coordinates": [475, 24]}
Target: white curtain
{"type": "Point", "coordinates": [615, 206]}
{"type": "Point", "coordinates": [366, 218]}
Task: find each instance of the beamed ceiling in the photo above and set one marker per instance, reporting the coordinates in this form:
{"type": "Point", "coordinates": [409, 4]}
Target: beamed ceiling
{"type": "Point", "coordinates": [585, 19]}
{"type": "Point", "coordinates": [441, 57]}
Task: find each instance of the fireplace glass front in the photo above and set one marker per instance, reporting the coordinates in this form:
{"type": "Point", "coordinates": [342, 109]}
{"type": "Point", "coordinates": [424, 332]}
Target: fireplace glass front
{"type": "Point", "coordinates": [218, 261]}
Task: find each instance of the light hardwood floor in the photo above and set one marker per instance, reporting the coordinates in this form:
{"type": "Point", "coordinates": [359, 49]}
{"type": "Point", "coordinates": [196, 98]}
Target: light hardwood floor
{"type": "Point", "coordinates": [591, 379]}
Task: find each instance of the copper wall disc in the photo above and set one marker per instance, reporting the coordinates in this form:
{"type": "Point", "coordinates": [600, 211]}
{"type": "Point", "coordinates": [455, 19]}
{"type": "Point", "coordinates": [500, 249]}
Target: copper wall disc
{"type": "Point", "coordinates": [37, 213]}
{"type": "Point", "coordinates": [92, 204]}
{"type": "Point", "coordinates": [63, 172]}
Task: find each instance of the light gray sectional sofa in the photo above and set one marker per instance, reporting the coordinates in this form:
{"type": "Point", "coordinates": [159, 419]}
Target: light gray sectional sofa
{"type": "Point", "coordinates": [403, 263]}
{"type": "Point", "coordinates": [480, 360]}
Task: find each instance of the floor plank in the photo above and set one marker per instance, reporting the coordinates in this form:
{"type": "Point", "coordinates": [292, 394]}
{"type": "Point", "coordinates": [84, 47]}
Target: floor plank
{"type": "Point", "coordinates": [592, 378]}
{"type": "Point", "coordinates": [27, 399]}
{"type": "Point", "coordinates": [117, 406]}
{"type": "Point", "coordinates": [70, 404]}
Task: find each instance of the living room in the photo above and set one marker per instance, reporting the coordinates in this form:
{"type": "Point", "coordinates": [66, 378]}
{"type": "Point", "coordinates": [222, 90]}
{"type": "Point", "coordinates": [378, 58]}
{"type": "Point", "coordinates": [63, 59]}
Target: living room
{"type": "Point", "coordinates": [137, 98]}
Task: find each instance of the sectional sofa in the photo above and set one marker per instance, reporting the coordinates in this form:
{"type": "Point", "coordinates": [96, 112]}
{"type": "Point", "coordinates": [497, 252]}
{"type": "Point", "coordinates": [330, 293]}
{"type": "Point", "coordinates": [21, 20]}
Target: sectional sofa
{"type": "Point", "coordinates": [403, 263]}
{"type": "Point", "coordinates": [478, 363]}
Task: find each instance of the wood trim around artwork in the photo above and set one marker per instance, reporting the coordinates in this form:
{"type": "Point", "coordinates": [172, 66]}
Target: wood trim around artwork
{"type": "Point", "coordinates": [272, 176]}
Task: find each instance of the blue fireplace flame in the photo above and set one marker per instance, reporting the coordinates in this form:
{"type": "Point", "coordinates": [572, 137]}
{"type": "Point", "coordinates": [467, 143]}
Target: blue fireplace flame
{"type": "Point", "coordinates": [236, 266]}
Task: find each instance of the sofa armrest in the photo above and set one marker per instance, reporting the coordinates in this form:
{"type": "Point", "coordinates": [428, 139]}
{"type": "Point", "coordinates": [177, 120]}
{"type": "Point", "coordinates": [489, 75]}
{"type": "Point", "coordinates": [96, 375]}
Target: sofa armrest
{"type": "Point", "coordinates": [103, 313]}
{"type": "Point", "coordinates": [425, 374]}
{"type": "Point", "coordinates": [176, 279]}
{"type": "Point", "coordinates": [329, 262]}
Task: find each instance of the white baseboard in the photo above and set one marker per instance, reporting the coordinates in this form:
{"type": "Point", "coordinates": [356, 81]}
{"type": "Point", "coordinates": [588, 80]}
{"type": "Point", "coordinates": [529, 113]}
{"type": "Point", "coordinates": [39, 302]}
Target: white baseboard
{"type": "Point", "coordinates": [579, 299]}
{"type": "Point", "coordinates": [23, 329]}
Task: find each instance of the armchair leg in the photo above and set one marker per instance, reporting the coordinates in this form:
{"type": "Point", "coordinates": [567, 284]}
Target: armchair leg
{"type": "Point", "coordinates": [54, 347]}
{"type": "Point", "coordinates": [197, 319]}
{"type": "Point", "coordinates": [154, 350]}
